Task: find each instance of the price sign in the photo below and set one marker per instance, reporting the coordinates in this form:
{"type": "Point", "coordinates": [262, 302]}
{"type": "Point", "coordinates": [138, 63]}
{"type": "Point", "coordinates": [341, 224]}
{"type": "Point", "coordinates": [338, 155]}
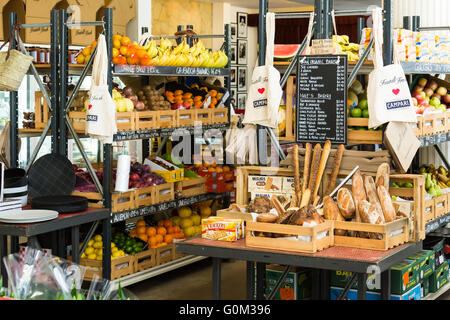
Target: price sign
{"type": "Point", "coordinates": [321, 106]}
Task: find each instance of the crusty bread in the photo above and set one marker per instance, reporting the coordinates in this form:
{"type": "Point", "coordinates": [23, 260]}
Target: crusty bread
{"type": "Point", "coordinates": [331, 212]}
{"type": "Point", "coordinates": [369, 213]}
{"type": "Point", "coordinates": [346, 203]}
{"type": "Point", "coordinates": [372, 194]}
{"type": "Point", "coordinates": [386, 204]}
{"type": "Point", "coordinates": [267, 217]}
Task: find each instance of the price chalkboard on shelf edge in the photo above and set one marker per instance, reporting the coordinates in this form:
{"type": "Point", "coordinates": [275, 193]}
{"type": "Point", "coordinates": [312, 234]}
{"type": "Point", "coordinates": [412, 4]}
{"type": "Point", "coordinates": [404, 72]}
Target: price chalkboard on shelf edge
{"type": "Point", "coordinates": [321, 103]}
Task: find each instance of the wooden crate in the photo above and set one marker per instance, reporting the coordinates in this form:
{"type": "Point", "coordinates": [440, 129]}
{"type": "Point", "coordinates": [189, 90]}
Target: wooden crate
{"type": "Point", "coordinates": [388, 240]}
{"type": "Point", "coordinates": [447, 114]}
{"type": "Point", "coordinates": [428, 125]}
{"type": "Point", "coordinates": [120, 267]}
{"type": "Point", "coordinates": [440, 206]}
{"type": "Point", "coordinates": [144, 260]}
{"type": "Point", "coordinates": [313, 245]}
{"type": "Point", "coordinates": [166, 119]}
{"type": "Point", "coordinates": [203, 116]}
{"type": "Point", "coordinates": [233, 214]}
{"type": "Point", "coordinates": [418, 127]}
{"type": "Point", "coordinates": [126, 121]}
{"type": "Point", "coordinates": [185, 118]}
{"type": "Point", "coordinates": [429, 213]}
{"type": "Point", "coordinates": [120, 201]}
{"type": "Point", "coordinates": [41, 110]}
{"type": "Point", "coordinates": [219, 115]}
{"type": "Point", "coordinates": [146, 120]}
{"type": "Point", "coordinates": [165, 254]}
{"type": "Point", "coordinates": [164, 192]}
{"type": "Point", "coordinates": [78, 120]}
{"type": "Point", "coordinates": [289, 134]}
{"type": "Point", "coordinates": [440, 123]}
{"type": "Point", "coordinates": [191, 187]}
{"type": "Point", "coordinates": [145, 196]}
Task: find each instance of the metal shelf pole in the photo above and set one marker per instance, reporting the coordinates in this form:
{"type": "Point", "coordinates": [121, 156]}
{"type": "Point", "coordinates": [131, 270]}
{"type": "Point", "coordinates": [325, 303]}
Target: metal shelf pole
{"type": "Point", "coordinates": [388, 25]}
{"type": "Point", "coordinates": [54, 80]}
{"type": "Point", "coordinates": [13, 106]}
{"type": "Point", "coordinates": [64, 79]}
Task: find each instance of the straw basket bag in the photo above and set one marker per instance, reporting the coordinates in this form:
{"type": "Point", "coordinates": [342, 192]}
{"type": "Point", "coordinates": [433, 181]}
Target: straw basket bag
{"type": "Point", "coordinates": [13, 65]}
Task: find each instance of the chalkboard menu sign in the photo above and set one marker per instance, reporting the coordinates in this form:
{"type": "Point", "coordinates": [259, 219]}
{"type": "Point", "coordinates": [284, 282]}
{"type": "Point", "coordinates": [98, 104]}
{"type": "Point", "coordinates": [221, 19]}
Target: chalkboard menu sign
{"type": "Point", "coordinates": [321, 104]}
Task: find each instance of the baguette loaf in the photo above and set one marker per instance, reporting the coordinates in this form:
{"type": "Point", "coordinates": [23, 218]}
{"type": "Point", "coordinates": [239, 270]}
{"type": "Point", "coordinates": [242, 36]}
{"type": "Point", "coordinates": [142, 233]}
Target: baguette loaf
{"type": "Point", "coordinates": [345, 203]}
{"type": "Point", "coordinates": [307, 166]}
{"type": "Point", "coordinates": [372, 194]}
{"type": "Point", "coordinates": [358, 191]}
{"type": "Point", "coordinates": [315, 164]}
{"type": "Point", "coordinates": [386, 204]}
{"type": "Point", "coordinates": [322, 164]}
{"type": "Point", "coordinates": [331, 212]}
{"type": "Point", "coordinates": [337, 164]}
{"type": "Point", "coordinates": [382, 178]}
{"type": "Point", "coordinates": [297, 186]}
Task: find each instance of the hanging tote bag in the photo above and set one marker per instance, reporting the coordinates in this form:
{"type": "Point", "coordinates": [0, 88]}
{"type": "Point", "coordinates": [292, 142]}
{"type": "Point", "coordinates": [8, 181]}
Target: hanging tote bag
{"type": "Point", "coordinates": [13, 65]}
{"type": "Point", "coordinates": [388, 95]}
{"type": "Point", "coordinates": [101, 113]}
{"type": "Point", "coordinates": [265, 92]}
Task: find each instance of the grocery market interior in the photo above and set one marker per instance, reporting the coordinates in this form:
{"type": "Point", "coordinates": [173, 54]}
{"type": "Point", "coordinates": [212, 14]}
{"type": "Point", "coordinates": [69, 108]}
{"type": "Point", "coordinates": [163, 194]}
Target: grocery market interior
{"type": "Point", "coordinates": [234, 150]}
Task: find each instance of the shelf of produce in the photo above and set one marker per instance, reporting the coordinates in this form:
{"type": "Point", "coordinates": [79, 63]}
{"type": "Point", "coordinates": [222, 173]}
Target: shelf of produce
{"type": "Point", "coordinates": [163, 132]}
{"type": "Point", "coordinates": [128, 214]}
{"type": "Point", "coordinates": [437, 294]}
{"type": "Point", "coordinates": [156, 271]}
{"type": "Point", "coordinates": [134, 70]}
{"type": "Point", "coordinates": [437, 223]}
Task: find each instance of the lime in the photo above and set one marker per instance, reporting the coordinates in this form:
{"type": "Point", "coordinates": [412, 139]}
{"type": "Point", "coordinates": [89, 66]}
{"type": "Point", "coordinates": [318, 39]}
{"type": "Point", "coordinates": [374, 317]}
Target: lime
{"type": "Point", "coordinates": [363, 104]}
{"type": "Point", "coordinates": [356, 113]}
{"type": "Point", "coordinates": [409, 185]}
{"type": "Point", "coordinates": [395, 185]}
{"type": "Point", "coordinates": [128, 249]}
{"type": "Point", "coordinates": [365, 113]}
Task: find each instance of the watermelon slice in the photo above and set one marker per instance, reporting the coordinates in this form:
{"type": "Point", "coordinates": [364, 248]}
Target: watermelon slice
{"type": "Point", "coordinates": [285, 52]}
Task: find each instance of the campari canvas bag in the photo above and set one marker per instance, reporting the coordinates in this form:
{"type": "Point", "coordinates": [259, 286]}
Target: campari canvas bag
{"type": "Point", "coordinates": [388, 95]}
{"type": "Point", "coordinates": [101, 113]}
{"type": "Point", "coordinates": [265, 92]}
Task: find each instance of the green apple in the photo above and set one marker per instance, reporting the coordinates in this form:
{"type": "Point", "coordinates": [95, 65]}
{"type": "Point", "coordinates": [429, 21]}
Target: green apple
{"type": "Point", "coordinates": [363, 104]}
{"type": "Point", "coordinates": [356, 113]}
{"type": "Point", "coordinates": [365, 113]}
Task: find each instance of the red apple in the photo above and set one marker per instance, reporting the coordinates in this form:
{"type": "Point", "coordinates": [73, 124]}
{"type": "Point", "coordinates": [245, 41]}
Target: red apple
{"type": "Point", "coordinates": [420, 110]}
{"type": "Point", "coordinates": [447, 99]}
{"type": "Point", "coordinates": [442, 91]}
{"type": "Point", "coordinates": [134, 177]}
{"type": "Point", "coordinates": [428, 92]}
{"type": "Point", "coordinates": [186, 105]}
{"type": "Point", "coordinates": [177, 106]}
{"type": "Point", "coordinates": [419, 96]}
{"type": "Point", "coordinates": [418, 88]}
{"type": "Point", "coordinates": [433, 85]}
{"type": "Point", "coordinates": [414, 100]}
{"type": "Point", "coordinates": [422, 82]}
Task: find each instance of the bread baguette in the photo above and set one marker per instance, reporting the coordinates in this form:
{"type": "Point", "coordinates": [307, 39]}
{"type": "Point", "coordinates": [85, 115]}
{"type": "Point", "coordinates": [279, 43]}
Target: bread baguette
{"type": "Point", "coordinates": [297, 186]}
{"type": "Point", "coordinates": [315, 164]}
{"type": "Point", "coordinates": [372, 194]}
{"type": "Point", "coordinates": [323, 163]}
{"type": "Point", "coordinates": [336, 166]}
{"type": "Point", "coordinates": [305, 198]}
{"type": "Point", "coordinates": [331, 212]}
{"type": "Point", "coordinates": [278, 206]}
{"type": "Point", "coordinates": [346, 203]}
{"type": "Point", "coordinates": [382, 177]}
{"type": "Point", "coordinates": [307, 166]}
{"type": "Point", "coordinates": [386, 204]}
{"type": "Point", "coordinates": [358, 191]}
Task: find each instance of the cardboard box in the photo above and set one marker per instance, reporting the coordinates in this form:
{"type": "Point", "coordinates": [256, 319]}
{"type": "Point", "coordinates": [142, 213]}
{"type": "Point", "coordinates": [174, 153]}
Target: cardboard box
{"type": "Point", "coordinates": [6, 7]}
{"type": "Point", "coordinates": [288, 185]}
{"type": "Point", "coordinates": [425, 259]}
{"type": "Point", "coordinates": [437, 245]}
{"type": "Point", "coordinates": [265, 184]}
{"type": "Point", "coordinates": [340, 279]}
{"type": "Point", "coordinates": [84, 36]}
{"type": "Point", "coordinates": [296, 286]}
{"type": "Point", "coordinates": [38, 11]}
{"type": "Point", "coordinates": [404, 276]}
{"type": "Point", "coordinates": [439, 278]}
{"type": "Point", "coordinates": [425, 287]}
{"type": "Point", "coordinates": [352, 294]}
{"type": "Point", "coordinates": [269, 195]}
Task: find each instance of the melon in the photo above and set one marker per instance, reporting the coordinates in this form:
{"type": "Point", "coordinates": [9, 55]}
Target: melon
{"type": "Point", "coordinates": [283, 52]}
{"type": "Point", "coordinates": [351, 95]}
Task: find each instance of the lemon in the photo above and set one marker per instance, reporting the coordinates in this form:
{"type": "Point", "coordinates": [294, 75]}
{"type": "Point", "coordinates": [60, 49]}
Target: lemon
{"type": "Point", "coordinates": [83, 256]}
{"type": "Point", "coordinates": [98, 238]}
{"type": "Point", "coordinates": [98, 251]}
{"type": "Point", "coordinates": [90, 243]}
{"type": "Point", "coordinates": [122, 253]}
{"type": "Point", "coordinates": [98, 245]}
{"type": "Point", "coordinates": [116, 254]}
{"type": "Point", "coordinates": [99, 258]}
{"type": "Point", "coordinates": [113, 245]}
{"type": "Point", "coordinates": [89, 250]}
{"type": "Point", "coordinates": [114, 250]}
{"type": "Point", "coordinates": [92, 256]}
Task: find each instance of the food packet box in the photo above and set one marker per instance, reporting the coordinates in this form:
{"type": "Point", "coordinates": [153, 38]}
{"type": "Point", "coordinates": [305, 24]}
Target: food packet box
{"type": "Point", "coordinates": [404, 276]}
{"type": "Point", "coordinates": [265, 184]}
{"type": "Point", "coordinates": [425, 259]}
{"type": "Point", "coordinates": [413, 294]}
{"type": "Point", "coordinates": [296, 286]}
{"type": "Point", "coordinates": [340, 278]}
{"type": "Point", "coordinates": [425, 287]}
{"type": "Point", "coordinates": [269, 195]}
{"type": "Point", "coordinates": [222, 229]}
{"type": "Point", "coordinates": [439, 278]}
{"type": "Point", "coordinates": [288, 185]}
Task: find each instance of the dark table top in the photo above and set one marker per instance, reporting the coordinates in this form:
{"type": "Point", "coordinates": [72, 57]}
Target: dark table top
{"type": "Point", "coordinates": [334, 258]}
{"type": "Point", "coordinates": [63, 221]}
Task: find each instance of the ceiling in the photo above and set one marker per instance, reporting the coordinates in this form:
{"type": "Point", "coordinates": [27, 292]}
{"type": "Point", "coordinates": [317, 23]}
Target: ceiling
{"type": "Point", "coordinates": [280, 4]}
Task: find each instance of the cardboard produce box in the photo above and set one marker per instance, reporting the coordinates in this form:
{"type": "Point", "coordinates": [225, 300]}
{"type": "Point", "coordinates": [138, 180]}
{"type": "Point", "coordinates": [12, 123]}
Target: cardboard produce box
{"type": "Point", "coordinates": [296, 286]}
{"type": "Point", "coordinates": [340, 279]}
{"type": "Point", "coordinates": [352, 294]}
{"type": "Point", "coordinates": [84, 11]}
{"type": "Point", "coordinates": [439, 278]}
{"type": "Point", "coordinates": [425, 287]}
{"type": "Point", "coordinates": [425, 259]}
{"type": "Point", "coordinates": [6, 7]}
{"type": "Point", "coordinates": [437, 245]}
{"type": "Point", "coordinates": [404, 276]}
{"type": "Point", "coordinates": [265, 184]}
{"type": "Point", "coordinates": [38, 11]}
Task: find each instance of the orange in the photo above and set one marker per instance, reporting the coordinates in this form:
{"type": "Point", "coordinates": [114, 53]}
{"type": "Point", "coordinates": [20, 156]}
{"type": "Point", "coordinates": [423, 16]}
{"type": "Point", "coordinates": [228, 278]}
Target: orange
{"type": "Point", "coordinates": [161, 230]}
{"type": "Point", "coordinates": [141, 53]}
{"type": "Point", "coordinates": [123, 51]}
{"type": "Point", "coordinates": [151, 231]}
{"type": "Point", "coordinates": [145, 61]}
{"type": "Point", "coordinates": [152, 242]}
{"type": "Point", "coordinates": [170, 230]}
{"type": "Point", "coordinates": [178, 92]}
{"type": "Point", "coordinates": [187, 95]}
{"type": "Point", "coordinates": [167, 224]}
{"type": "Point", "coordinates": [213, 93]}
{"type": "Point", "coordinates": [80, 59]}
{"type": "Point", "coordinates": [133, 233]}
{"type": "Point", "coordinates": [117, 37]}
{"type": "Point", "coordinates": [93, 45]}
{"type": "Point", "coordinates": [133, 59]}
{"type": "Point", "coordinates": [226, 169]}
{"type": "Point", "coordinates": [198, 98]}
{"type": "Point", "coordinates": [125, 41]}
{"type": "Point", "coordinates": [117, 44]}
{"type": "Point", "coordinates": [116, 52]}
{"type": "Point", "coordinates": [159, 238]}
{"type": "Point", "coordinates": [140, 223]}
{"type": "Point", "coordinates": [168, 238]}
{"type": "Point", "coordinates": [141, 230]}
{"type": "Point", "coordinates": [176, 229]}
{"type": "Point", "coordinates": [143, 237]}
{"type": "Point", "coordinates": [219, 169]}
{"type": "Point", "coordinates": [161, 223]}
{"type": "Point", "coordinates": [122, 60]}
{"type": "Point", "coordinates": [211, 169]}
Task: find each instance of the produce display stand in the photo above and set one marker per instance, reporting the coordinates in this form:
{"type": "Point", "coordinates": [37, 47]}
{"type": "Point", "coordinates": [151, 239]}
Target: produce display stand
{"type": "Point", "coordinates": [336, 258]}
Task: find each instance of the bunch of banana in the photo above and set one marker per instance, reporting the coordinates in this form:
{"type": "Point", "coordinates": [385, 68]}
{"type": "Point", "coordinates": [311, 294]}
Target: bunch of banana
{"type": "Point", "coordinates": [151, 48]}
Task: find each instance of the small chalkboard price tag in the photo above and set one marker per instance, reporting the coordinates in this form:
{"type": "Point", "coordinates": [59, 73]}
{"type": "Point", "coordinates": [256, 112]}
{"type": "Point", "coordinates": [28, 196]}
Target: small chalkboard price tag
{"type": "Point", "coordinates": [321, 106]}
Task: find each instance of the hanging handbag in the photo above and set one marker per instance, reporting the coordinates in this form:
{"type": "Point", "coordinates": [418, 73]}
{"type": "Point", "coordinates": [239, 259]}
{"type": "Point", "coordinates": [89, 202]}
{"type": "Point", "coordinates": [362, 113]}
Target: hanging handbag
{"type": "Point", "coordinates": [265, 93]}
{"type": "Point", "coordinates": [13, 64]}
{"type": "Point", "coordinates": [388, 95]}
{"type": "Point", "coordinates": [101, 113]}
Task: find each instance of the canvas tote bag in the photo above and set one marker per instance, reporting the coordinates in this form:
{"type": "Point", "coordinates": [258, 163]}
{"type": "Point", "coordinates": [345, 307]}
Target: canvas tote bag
{"type": "Point", "coordinates": [388, 95]}
{"type": "Point", "coordinates": [101, 113]}
{"type": "Point", "coordinates": [265, 93]}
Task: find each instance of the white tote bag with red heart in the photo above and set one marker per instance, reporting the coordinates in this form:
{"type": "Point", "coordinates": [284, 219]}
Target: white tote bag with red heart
{"type": "Point", "coordinates": [265, 93]}
{"type": "Point", "coordinates": [388, 95]}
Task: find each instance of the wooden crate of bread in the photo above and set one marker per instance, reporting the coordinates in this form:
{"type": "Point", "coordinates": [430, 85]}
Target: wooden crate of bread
{"type": "Point", "coordinates": [120, 201]}
{"type": "Point", "coordinates": [145, 260]}
{"type": "Point", "coordinates": [165, 254]}
{"type": "Point", "coordinates": [191, 187]}
{"type": "Point", "coordinates": [146, 120]}
{"type": "Point", "coordinates": [120, 267]}
{"type": "Point", "coordinates": [310, 239]}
